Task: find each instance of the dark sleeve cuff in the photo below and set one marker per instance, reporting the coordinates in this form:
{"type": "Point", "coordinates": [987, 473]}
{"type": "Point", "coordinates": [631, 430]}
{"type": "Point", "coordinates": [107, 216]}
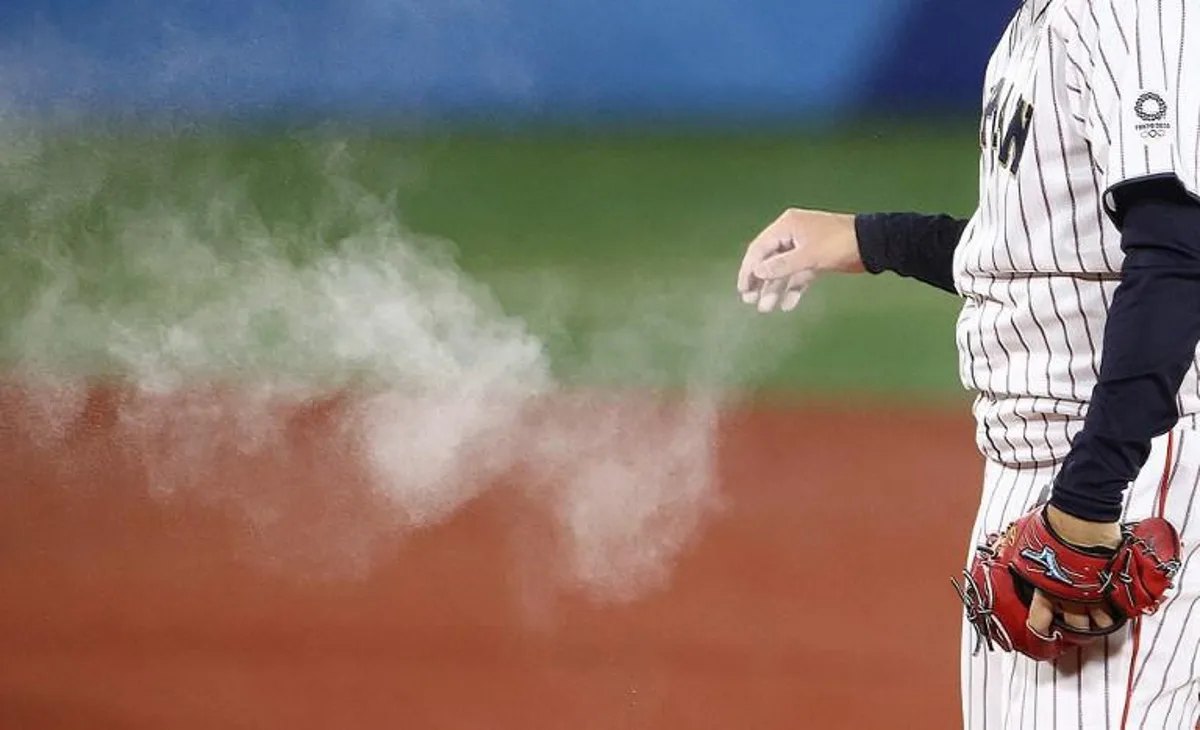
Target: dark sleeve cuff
{"type": "Point", "coordinates": [911, 245]}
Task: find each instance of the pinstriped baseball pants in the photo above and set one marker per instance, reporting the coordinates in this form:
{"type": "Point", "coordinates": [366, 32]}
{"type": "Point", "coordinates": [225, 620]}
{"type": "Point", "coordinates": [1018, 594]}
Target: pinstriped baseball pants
{"type": "Point", "coordinates": [1147, 675]}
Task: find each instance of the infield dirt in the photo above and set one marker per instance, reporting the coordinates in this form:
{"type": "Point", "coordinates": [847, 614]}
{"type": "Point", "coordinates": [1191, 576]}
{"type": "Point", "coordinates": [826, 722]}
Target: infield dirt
{"type": "Point", "coordinates": [816, 597]}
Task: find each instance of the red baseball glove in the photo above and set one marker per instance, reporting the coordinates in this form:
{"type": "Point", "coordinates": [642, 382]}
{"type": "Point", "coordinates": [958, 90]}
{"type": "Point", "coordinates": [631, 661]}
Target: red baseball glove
{"type": "Point", "coordinates": [1128, 581]}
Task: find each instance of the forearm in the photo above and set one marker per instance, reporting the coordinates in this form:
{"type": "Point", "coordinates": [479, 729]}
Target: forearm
{"type": "Point", "coordinates": [910, 244]}
{"type": "Point", "coordinates": [1149, 343]}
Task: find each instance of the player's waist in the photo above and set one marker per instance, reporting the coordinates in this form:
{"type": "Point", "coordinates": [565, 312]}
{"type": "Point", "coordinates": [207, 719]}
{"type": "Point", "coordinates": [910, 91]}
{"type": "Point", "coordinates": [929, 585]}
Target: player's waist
{"type": "Point", "coordinates": [990, 283]}
{"type": "Point", "coordinates": [1038, 338]}
{"type": "Point", "coordinates": [1026, 431]}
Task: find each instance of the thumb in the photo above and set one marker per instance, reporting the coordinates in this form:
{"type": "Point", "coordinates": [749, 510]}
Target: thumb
{"type": "Point", "coordinates": [781, 266]}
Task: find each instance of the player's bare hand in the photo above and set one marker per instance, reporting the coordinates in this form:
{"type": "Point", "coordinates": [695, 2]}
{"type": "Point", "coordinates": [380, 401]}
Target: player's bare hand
{"type": "Point", "coordinates": [1083, 533]}
{"type": "Point", "coordinates": [1043, 609]}
{"type": "Point", "coordinates": [784, 259]}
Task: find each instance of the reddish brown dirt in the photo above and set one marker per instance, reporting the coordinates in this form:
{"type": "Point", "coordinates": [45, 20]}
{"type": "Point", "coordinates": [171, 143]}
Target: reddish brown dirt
{"type": "Point", "coordinates": [818, 598]}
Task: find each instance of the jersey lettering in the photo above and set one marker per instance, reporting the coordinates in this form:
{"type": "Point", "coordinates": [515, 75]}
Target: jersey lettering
{"type": "Point", "coordinates": [1004, 127]}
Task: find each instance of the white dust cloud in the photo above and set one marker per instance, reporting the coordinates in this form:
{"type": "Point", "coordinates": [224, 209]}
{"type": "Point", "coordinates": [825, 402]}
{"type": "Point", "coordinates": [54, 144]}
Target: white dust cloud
{"type": "Point", "coordinates": [221, 325]}
{"type": "Point", "coordinates": [127, 261]}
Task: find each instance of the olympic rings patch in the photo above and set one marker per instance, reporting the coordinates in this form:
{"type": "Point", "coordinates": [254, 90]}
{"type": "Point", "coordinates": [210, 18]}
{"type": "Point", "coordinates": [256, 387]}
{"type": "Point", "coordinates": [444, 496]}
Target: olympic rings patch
{"type": "Point", "coordinates": [1150, 107]}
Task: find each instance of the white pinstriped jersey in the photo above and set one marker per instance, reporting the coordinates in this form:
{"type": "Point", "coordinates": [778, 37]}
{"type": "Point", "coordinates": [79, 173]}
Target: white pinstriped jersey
{"type": "Point", "coordinates": [1080, 96]}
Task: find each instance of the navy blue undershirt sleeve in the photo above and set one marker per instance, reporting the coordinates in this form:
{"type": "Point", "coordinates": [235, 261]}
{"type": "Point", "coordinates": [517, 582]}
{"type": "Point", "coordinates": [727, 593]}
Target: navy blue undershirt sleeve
{"type": "Point", "coordinates": [910, 244]}
{"type": "Point", "coordinates": [1149, 344]}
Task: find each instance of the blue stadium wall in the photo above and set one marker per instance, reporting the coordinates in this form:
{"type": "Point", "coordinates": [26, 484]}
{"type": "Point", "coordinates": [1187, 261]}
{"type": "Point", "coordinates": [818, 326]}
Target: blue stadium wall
{"type": "Point", "coordinates": [592, 59]}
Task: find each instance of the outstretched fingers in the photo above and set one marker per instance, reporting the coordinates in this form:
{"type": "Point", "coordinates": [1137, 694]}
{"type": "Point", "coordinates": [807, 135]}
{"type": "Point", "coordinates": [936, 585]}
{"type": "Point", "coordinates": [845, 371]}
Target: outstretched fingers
{"type": "Point", "coordinates": [797, 285]}
{"type": "Point", "coordinates": [749, 284]}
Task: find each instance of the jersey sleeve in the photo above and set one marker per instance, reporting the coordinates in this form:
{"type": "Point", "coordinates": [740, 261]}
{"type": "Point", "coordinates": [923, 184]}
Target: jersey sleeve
{"type": "Point", "coordinates": [1140, 89]}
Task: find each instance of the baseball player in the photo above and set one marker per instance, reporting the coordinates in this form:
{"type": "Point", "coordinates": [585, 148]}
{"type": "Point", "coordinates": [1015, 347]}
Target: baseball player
{"type": "Point", "coordinates": [1080, 278]}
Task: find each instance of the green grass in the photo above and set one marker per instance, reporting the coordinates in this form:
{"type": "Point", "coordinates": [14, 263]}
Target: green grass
{"type": "Point", "coordinates": [595, 239]}
{"type": "Point", "coordinates": [654, 196]}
